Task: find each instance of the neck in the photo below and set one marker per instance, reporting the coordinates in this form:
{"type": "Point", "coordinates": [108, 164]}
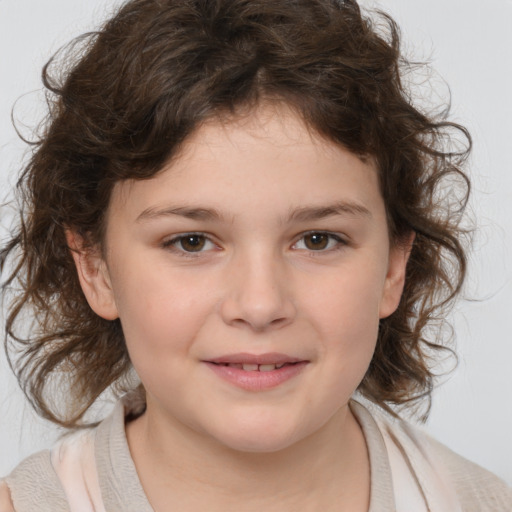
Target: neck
{"type": "Point", "coordinates": [328, 470]}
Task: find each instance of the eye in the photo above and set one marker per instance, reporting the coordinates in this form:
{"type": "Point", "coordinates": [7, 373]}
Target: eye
{"type": "Point", "coordinates": [190, 243]}
{"type": "Point", "coordinates": [319, 241]}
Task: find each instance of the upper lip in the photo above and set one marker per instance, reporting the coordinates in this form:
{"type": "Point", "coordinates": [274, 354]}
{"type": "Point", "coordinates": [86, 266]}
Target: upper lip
{"type": "Point", "coordinates": [269, 358]}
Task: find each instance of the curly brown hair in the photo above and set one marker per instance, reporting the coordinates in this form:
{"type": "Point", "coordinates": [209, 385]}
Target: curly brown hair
{"type": "Point", "coordinates": [125, 98]}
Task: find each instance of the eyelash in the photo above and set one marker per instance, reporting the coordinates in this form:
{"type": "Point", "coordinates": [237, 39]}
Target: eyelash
{"type": "Point", "coordinates": [339, 242]}
{"type": "Point", "coordinates": [173, 243]}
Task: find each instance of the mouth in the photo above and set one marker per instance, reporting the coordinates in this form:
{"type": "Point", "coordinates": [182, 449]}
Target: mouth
{"type": "Point", "coordinates": [257, 372]}
{"type": "Point", "coordinates": [249, 367]}
{"type": "Point", "coordinates": [246, 359]}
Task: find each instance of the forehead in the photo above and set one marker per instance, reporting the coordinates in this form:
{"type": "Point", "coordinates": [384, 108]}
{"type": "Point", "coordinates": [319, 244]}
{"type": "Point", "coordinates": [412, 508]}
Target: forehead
{"type": "Point", "coordinates": [271, 129]}
{"type": "Point", "coordinates": [265, 161]}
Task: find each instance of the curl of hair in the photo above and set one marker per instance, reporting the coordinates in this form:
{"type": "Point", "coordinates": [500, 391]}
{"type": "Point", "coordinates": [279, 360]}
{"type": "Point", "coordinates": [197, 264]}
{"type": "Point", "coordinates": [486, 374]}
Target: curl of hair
{"type": "Point", "coordinates": [129, 95]}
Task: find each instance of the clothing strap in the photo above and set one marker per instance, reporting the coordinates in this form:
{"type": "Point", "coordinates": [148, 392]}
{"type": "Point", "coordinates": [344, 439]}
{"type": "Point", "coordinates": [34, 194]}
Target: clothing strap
{"type": "Point", "coordinates": [420, 482]}
{"type": "Point", "coordinates": [74, 462]}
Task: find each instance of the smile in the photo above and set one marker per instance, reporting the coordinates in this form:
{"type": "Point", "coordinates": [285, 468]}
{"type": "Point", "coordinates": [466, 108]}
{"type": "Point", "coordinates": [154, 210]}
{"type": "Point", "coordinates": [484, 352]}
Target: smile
{"type": "Point", "coordinates": [257, 372]}
{"type": "Point", "coordinates": [248, 367]}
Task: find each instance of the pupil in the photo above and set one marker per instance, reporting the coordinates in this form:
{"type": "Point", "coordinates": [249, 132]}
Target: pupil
{"type": "Point", "coordinates": [193, 243]}
{"type": "Point", "coordinates": [316, 241]}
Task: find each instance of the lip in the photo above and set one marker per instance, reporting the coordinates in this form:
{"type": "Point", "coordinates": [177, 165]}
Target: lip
{"type": "Point", "coordinates": [245, 357]}
{"type": "Point", "coordinates": [256, 380]}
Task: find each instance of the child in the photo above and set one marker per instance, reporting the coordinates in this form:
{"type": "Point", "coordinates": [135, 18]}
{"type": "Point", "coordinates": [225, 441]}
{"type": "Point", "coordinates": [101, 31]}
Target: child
{"type": "Point", "coordinates": [236, 200]}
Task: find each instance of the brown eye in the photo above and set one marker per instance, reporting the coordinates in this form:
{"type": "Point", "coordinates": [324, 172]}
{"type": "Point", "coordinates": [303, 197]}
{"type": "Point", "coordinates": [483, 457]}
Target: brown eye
{"type": "Point", "coordinates": [316, 241]}
{"type": "Point", "coordinates": [192, 243]}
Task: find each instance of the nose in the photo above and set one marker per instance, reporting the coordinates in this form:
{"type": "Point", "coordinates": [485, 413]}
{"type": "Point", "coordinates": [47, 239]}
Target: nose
{"type": "Point", "coordinates": [258, 294]}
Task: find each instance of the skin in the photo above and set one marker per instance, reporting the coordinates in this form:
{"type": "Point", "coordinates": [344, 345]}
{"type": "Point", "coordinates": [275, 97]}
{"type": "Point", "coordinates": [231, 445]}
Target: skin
{"type": "Point", "coordinates": [278, 269]}
{"type": "Point", "coordinates": [5, 498]}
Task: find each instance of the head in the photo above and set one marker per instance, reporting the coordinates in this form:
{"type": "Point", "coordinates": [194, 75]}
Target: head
{"type": "Point", "coordinates": [162, 75]}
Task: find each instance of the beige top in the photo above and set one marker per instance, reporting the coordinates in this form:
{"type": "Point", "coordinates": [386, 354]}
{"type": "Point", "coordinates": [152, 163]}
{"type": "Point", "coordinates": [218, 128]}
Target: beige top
{"type": "Point", "coordinates": [92, 471]}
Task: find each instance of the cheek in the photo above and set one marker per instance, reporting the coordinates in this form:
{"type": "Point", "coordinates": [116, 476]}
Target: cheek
{"type": "Point", "coordinates": [160, 315]}
{"type": "Point", "coordinates": [349, 301]}
{"type": "Point", "coordinates": [345, 314]}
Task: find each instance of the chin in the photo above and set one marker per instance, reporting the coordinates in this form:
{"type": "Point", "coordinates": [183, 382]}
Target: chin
{"type": "Point", "coordinates": [262, 443]}
{"type": "Point", "coordinates": [258, 436]}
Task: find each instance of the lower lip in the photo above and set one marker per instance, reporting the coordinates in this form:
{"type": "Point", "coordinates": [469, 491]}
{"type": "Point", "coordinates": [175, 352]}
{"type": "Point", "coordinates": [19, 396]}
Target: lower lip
{"type": "Point", "coordinates": [256, 380]}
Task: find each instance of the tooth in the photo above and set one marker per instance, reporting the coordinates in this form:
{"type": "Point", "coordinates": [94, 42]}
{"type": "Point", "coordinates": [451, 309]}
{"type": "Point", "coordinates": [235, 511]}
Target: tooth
{"type": "Point", "coordinates": [250, 367]}
{"type": "Point", "coordinates": [280, 365]}
{"type": "Point", "coordinates": [267, 367]}
{"type": "Point", "coordinates": [235, 365]}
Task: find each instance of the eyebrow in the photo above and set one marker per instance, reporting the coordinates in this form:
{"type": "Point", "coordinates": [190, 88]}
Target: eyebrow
{"type": "Point", "coordinates": [181, 211]}
{"type": "Point", "coordinates": [311, 213]}
{"type": "Point", "coordinates": [300, 214]}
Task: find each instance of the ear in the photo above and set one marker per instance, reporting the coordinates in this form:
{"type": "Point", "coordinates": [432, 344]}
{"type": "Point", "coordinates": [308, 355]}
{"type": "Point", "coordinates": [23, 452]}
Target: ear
{"type": "Point", "coordinates": [395, 279]}
{"type": "Point", "coordinates": [93, 276]}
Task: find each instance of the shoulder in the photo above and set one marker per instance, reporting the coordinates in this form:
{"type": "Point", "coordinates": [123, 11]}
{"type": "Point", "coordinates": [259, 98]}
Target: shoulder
{"type": "Point", "coordinates": [87, 470]}
{"type": "Point", "coordinates": [447, 480]}
{"type": "Point", "coordinates": [34, 485]}
{"type": "Point", "coordinates": [476, 488]}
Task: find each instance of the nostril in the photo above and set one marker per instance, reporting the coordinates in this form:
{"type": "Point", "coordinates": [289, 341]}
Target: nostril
{"type": "Point", "coordinates": [278, 321]}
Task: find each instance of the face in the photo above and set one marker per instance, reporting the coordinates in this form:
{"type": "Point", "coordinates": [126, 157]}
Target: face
{"type": "Point", "coordinates": [249, 276]}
